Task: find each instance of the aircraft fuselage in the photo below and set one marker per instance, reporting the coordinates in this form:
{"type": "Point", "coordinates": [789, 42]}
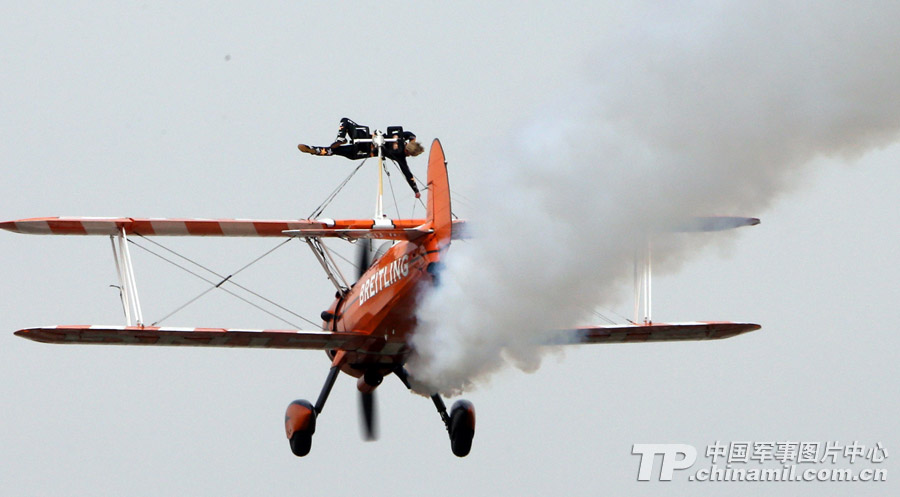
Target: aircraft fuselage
{"type": "Point", "coordinates": [383, 304]}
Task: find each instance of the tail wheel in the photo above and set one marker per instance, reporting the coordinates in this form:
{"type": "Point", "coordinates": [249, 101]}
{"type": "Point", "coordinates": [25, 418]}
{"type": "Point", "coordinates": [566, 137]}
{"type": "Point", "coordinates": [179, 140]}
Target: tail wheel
{"type": "Point", "coordinates": [299, 426]}
{"type": "Point", "coordinates": [462, 427]}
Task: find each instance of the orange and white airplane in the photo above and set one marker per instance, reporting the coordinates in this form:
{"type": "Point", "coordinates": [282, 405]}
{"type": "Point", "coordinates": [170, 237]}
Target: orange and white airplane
{"type": "Point", "coordinates": [366, 331]}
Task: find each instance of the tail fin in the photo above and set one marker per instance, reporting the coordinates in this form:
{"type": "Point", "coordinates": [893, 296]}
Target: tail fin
{"type": "Point", "coordinates": [438, 204]}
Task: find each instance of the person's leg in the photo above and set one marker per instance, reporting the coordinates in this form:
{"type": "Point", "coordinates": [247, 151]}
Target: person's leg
{"type": "Point", "coordinates": [314, 150]}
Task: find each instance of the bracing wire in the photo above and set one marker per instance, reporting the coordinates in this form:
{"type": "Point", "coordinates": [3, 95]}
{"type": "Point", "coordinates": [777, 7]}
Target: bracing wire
{"type": "Point", "coordinates": [348, 261]}
{"type": "Point", "coordinates": [394, 196]}
{"type": "Point", "coordinates": [201, 266]}
{"type": "Point", "coordinates": [600, 315]}
{"type": "Point", "coordinates": [220, 283]}
{"type": "Point", "coordinates": [425, 190]}
{"type": "Point", "coordinates": [318, 211]}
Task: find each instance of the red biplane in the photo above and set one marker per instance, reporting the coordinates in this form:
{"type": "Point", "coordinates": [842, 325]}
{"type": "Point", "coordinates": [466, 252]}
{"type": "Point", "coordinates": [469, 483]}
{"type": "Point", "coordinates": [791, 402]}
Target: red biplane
{"type": "Point", "coordinates": [366, 330]}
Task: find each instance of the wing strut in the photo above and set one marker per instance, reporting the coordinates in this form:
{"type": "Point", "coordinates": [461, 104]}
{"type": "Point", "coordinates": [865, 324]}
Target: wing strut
{"type": "Point", "coordinates": [379, 203]}
{"type": "Point", "coordinates": [643, 266]}
{"type": "Point", "coordinates": [381, 221]}
{"type": "Point", "coordinates": [643, 284]}
{"type": "Point", "coordinates": [131, 303]}
{"type": "Point", "coordinates": [331, 269]}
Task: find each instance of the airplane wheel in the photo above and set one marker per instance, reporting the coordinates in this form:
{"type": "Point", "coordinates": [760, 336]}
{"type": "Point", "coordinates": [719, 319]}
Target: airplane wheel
{"type": "Point", "coordinates": [299, 426]}
{"type": "Point", "coordinates": [462, 427]}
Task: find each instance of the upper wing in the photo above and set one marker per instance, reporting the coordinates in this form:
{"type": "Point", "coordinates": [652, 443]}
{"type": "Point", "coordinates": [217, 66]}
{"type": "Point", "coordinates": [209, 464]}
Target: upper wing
{"type": "Point", "coordinates": [654, 332]}
{"type": "Point", "coordinates": [400, 229]}
{"type": "Point", "coordinates": [714, 223]}
{"type": "Point", "coordinates": [211, 337]}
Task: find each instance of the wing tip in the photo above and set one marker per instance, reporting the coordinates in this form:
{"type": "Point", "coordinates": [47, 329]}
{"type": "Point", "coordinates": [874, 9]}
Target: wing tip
{"type": "Point", "coordinates": [736, 329]}
{"type": "Point", "coordinates": [9, 226]}
{"type": "Point", "coordinates": [37, 335]}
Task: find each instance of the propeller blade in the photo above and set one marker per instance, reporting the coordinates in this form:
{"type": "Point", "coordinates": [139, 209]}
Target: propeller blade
{"type": "Point", "coordinates": [363, 256]}
{"type": "Point", "coordinates": [369, 418]}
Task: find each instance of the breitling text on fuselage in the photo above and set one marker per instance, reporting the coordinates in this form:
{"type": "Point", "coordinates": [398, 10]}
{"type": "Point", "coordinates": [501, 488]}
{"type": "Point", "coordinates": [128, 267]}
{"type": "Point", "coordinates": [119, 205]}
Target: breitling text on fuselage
{"type": "Point", "coordinates": [383, 278]}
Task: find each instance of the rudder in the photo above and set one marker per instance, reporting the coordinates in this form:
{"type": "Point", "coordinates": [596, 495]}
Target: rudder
{"type": "Point", "coordinates": [438, 203]}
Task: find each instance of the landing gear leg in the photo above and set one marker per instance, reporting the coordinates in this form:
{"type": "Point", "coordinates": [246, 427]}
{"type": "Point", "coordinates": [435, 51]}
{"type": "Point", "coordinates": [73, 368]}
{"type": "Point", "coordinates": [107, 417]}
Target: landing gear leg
{"type": "Point", "coordinates": [326, 388]}
{"type": "Point", "coordinates": [460, 423]}
{"type": "Point", "coordinates": [300, 417]}
{"type": "Point", "coordinates": [441, 409]}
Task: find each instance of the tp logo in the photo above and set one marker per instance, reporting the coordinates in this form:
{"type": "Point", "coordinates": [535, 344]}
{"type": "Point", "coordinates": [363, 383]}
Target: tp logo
{"type": "Point", "coordinates": [670, 462]}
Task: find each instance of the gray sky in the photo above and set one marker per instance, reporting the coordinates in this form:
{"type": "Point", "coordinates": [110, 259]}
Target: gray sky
{"type": "Point", "coordinates": [173, 111]}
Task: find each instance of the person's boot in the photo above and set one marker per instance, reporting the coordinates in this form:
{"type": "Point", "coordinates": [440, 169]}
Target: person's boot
{"type": "Point", "coordinates": [313, 150]}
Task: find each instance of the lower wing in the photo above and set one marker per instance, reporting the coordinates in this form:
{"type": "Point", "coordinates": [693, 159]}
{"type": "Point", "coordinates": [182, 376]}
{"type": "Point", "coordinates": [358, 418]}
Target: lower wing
{"type": "Point", "coordinates": [359, 342]}
{"type": "Point", "coordinates": [210, 337]}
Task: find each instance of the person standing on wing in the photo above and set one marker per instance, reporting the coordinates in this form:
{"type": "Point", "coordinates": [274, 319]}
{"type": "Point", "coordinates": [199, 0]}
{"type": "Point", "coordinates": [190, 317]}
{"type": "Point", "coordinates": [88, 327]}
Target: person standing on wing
{"type": "Point", "coordinates": [346, 145]}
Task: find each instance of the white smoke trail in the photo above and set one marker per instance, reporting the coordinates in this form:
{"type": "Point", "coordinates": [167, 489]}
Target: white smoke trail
{"type": "Point", "coordinates": [683, 113]}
